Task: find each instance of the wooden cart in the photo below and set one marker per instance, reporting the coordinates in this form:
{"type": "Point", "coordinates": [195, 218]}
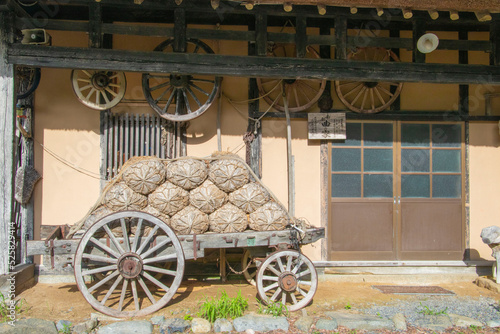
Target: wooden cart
{"type": "Point", "coordinates": [131, 263]}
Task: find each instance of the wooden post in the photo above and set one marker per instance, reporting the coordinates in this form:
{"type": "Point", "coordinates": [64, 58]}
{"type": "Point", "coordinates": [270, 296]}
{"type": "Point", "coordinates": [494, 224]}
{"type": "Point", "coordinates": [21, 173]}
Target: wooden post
{"type": "Point", "coordinates": [463, 90]}
{"type": "Point", "coordinates": [396, 105]}
{"type": "Point", "coordinates": [325, 102]}
{"type": "Point", "coordinates": [95, 25]}
{"type": "Point", "coordinates": [495, 42]}
{"type": "Point", "coordinates": [261, 33]}
{"type": "Point", "coordinates": [341, 37]}
{"type": "Point", "coordinates": [418, 31]}
{"type": "Point", "coordinates": [300, 36]}
{"type": "Point", "coordinates": [179, 30]}
{"type": "Point", "coordinates": [7, 138]}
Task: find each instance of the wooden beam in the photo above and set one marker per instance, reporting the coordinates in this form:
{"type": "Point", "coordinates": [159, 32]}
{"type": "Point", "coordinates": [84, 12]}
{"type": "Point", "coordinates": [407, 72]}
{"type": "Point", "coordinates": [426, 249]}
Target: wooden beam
{"type": "Point", "coordinates": [261, 34]}
{"type": "Point", "coordinates": [180, 30]}
{"type": "Point", "coordinates": [7, 138]}
{"type": "Point", "coordinates": [246, 66]}
{"type": "Point", "coordinates": [300, 36]}
{"type": "Point", "coordinates": [434, 14]}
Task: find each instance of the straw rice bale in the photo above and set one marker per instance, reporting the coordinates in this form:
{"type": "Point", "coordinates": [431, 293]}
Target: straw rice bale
{"type": "Point", "coordinates": [145, 175]}
{"type": "Point", "coordinates": [146, 227]}
{"type": "Point", "coordinates": [249, 197]}
{"type": "Point", "coordinates": [228, 174]}
{"type": "Point", "coordinates": [207, 197]}
{"type": "Point", "coordinates": [187, 173]}
{"type": "Point", "coordinates": [189, 220]}
{"type": "Point", "coordinates": [120, 197]}
{"type": "Point", "coordinates": [228, 219]}
{"type": "Point", "coordinates": [96, 215]}
{"type": "Point", "coordinates": [169, 198]}
{"type": "Point", "coordinates": [269, 217]}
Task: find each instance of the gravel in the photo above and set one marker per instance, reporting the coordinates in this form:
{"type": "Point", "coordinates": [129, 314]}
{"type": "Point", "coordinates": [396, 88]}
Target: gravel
{"type": "Point", "coordinates": [481, 308]}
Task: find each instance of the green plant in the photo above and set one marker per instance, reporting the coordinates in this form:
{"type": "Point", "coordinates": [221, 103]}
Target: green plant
{"type": "Point", "coordinates": [223, 307]}
{"type": "Point", "coordinates": [6, 307]}
{"type": "Point", "coordinates": [474, 328]}
{"type": "Point", "coordinates": [188, 317]}
{"type": "Point", "coordinates": [66, 329]}
{"type": "Point", "coordinates": [426, 310]}
{"type": "Point", "coordinates": [276, 309]}
{"type": "Point", "coordinates": [348, 306]}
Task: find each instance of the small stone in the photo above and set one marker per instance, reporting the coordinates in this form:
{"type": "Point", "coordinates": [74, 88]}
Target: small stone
{"type": "Point", "coordinates": [102, 317]}
{"type": "Point", "coordinates": [61, 325]}
{"type": "Point", "coordinates": [38, 326]}
{"type": "Point", "coordinates": [249, 331]}
{"type": "Point", "coordinates": [360, 321]}
{"type": "Point", "coordinates": [260, 323]}
{"type": "Point", "coordinates": [399, 322]}
{"type": "Point", "coordinates": [327, 324]}
{"type": "Point", "coordinates": [223, 325]}
{"type": "Point", "coordinates": [199, 325]}
{"type": "Point", "coordinates": [174, 325]}
{"type": "Point", "coordinates": [127, 327]}
{"type": "Point", "coordinates": [156, 320]}
{"type": "Point", "coordinates": [461, 321]}
{"type": "Point", "coordinates": [434, 322]}
{"type": "Point", "coordinates": [304, 323]}
{"type": "Point", "coordinates": [493, 323]}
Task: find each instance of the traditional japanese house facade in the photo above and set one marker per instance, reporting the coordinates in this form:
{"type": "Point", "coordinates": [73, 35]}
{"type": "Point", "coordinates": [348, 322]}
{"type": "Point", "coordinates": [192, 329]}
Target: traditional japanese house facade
{"type": "Point", "coordinates": [412, 185]}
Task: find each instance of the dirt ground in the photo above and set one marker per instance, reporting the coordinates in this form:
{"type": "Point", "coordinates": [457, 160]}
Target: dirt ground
{"type": "Point", "coordinates": [64, 301]}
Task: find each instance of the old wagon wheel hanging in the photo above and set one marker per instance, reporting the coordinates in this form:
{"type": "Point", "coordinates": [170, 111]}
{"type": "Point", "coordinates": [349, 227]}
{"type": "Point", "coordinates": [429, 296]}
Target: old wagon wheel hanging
{"type": "Point", "coordinates": [369, 96]}
{"type": "Point", "coordinates": [97, 89]}
{"type": "Point", "coordinates": [180, 97]}
{"type": "Point", "coordinates": [288, 277]}
{"type": "Point", "coordinates": [28, 80]}
{"type": "Point", "coordinates": [301, 93]}
{"type": "Point", "coordinates": [247, 262]}
{"type": "Point", "coordinates": [128, 249]}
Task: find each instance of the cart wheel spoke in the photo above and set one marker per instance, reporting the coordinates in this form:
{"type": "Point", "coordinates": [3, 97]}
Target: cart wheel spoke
{"type": "Point", "coordinates": [250, 273]}
{"type": "Point", "coordinates": [345, 91]}
{"type": "Point", "coordinates": [134, 293]}
{"type": "Point", "coordinates": [274, 270]}
{"type": "Point", "coordinates": [110, 91]}
{"type": "Point", "coordinates": [288, 282]}
{"type": "Point", "coordinates": [184, 87]}
{"type": "Point", "coordinates": [111, 290]}
{"type": "Point", "coordinates": [87, 73]}
{"type": "Point", "coordinates": [164, 84]}
{"type": "Point", "coordinates": [129, 267]}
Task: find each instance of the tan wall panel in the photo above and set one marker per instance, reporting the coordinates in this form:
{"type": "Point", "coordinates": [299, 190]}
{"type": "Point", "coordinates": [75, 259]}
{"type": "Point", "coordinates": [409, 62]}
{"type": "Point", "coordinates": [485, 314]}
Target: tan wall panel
{"type": "Point", "coordinates": [484, 181]}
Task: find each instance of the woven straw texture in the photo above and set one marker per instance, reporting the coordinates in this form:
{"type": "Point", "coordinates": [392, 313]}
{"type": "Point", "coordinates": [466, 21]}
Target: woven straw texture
{"type": "Point", "coordinates": [250, 197]}
{"type": "Point", "coordinates": [207, 197]}
{"type": "Point", "coordinates": [189, 220]}
{"type": "Point", "coordinates": [228, 174]}
{"type": "Point", "coordinates": [228, 219]}
{"type": "Point", "coordinates": [269, 217]}
{"type": "Point", "coordinates": [120, 197]}
{"type": "Point", "coordinates": [145, 175]}
{"type": "Point", "coordinates": [96, 215]}
{"type": "Point", "coordinates": [187, 173]}
{"type": "Point", "coordinates": [169, 198]}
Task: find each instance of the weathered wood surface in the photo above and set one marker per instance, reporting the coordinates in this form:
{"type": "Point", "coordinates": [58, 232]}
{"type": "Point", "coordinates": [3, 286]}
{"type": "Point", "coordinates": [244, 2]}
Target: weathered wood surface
{"type": "Point", "coordinates": [246, 66]}
{"type": "Point", "coordinates": [7, 138]}
{"type": "Point", "coordinates": [210, 240]}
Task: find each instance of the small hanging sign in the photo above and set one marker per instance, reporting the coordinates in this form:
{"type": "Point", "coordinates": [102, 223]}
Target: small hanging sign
{"type": "Point", "coordinates": [326, 126]}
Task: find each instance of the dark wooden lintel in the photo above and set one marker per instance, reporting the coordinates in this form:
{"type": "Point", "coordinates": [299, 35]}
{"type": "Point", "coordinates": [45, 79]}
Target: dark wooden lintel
{"type": "Point", "coordinates": [247, 66]}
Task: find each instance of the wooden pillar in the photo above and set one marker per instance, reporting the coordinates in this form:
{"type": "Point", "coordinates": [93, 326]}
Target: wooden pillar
{"type": "Point", "coordinates": [495, 42]}
{"type": "Point", "coordinates": [7, 139]}
{"type": "Point", "coordinates": [261, 34]}
{"type": "Point", "coordinates": [396, 105]}
{"type": "Point", "coordinates": [341, 37]}
{"type": "Point", "coordinates": [301, 36]}
{"type": "Point", "coordinates": [254, 149]}
{"type": "Point", "coordinates": [463, 90]}
{"type": "Point", "coordinates": [325, 102]}
{"type": "Point", "coordinates": [180, 45]}
{"type": "Point", "coordinates": [418, 30]}
{"type": "Point", "coordinates": [95, 25]}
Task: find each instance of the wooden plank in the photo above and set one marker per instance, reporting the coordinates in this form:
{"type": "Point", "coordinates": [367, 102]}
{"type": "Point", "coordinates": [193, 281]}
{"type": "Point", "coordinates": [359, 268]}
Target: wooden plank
{"type": "Point", "coordinates": [300, 36]}
{"type": "Point", "coordinates": [7, 139]}
{"type": "Point", "coordinates": [261, 34]}
{"type": "Point", "coordinates": [246, 66]}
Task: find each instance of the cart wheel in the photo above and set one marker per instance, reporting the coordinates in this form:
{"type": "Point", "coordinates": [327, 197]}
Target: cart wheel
{"type": "Point", "coordinates": [176, 97]}
{"type": "Point", "coordinates": [99, 90]}
{"type": "Point", "coordinates": [29, 78]}
{"type": "Point", "coordinates": [288, 277]}
{"type": "Point", "coordinates": [251, 271]}
{"type": "Point", "coordinates": [130, 263]}
{"type": "Point", "coordinates": [301, 93]}
{"type": "Point", "coordinates": [369, 96]}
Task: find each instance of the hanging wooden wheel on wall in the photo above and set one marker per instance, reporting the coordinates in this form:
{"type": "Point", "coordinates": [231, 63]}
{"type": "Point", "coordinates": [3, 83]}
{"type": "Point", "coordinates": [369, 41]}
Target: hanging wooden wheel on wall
{"type": "Point", "coordinates": [301, 93]}
{"type": "Point", "coordinates": [369, 96]}
{"type": "Point", "coordinates": [177, 97]}
{"type": "Point", "coordinates": [99, 90]}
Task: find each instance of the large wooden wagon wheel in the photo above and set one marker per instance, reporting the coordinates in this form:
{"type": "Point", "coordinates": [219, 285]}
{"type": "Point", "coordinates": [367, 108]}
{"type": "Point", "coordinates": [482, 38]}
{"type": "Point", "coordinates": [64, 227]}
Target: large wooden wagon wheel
{"type": "Point", "coordinates": [301, 93]}
{"type": "Point", "coordinates": [28, 80]}
{"type": "Point", "coordinates": [97, 89]}
{"type": "Point", "coordinates": [179, 97]}
{"type": "Point", "coordinates": [138, 248]}
{"type": "Point", "coordinates": [369, 96]}
{"type": "Point", "coordinates": [247, 262]}
{"type": "Point", "coordinates": [288, 277]}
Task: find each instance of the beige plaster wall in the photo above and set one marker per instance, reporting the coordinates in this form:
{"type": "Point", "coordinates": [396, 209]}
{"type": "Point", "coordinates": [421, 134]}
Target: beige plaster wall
{"type": "Point", "coordinates": [70, 131]}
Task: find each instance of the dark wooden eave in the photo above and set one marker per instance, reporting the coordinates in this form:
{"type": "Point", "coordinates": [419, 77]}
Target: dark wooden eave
{"type": "Point", "coordinates": [247, 66]}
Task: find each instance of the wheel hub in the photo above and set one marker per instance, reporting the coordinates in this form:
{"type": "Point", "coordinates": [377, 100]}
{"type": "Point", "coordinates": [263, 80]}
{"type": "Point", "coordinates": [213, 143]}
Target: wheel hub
{"type": "Point", "coordinates": [290, 81]}
{"type": "Point", "coordinates": [371, 84]}
{"type": "Point", "coordinates": [130, 265]}
{"type": "Point", "coordinates": [179, 81]}
{"type": "Point", "coordinates": [287, 281]}
{"type": "Point", "coordinates": [100, 81]}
